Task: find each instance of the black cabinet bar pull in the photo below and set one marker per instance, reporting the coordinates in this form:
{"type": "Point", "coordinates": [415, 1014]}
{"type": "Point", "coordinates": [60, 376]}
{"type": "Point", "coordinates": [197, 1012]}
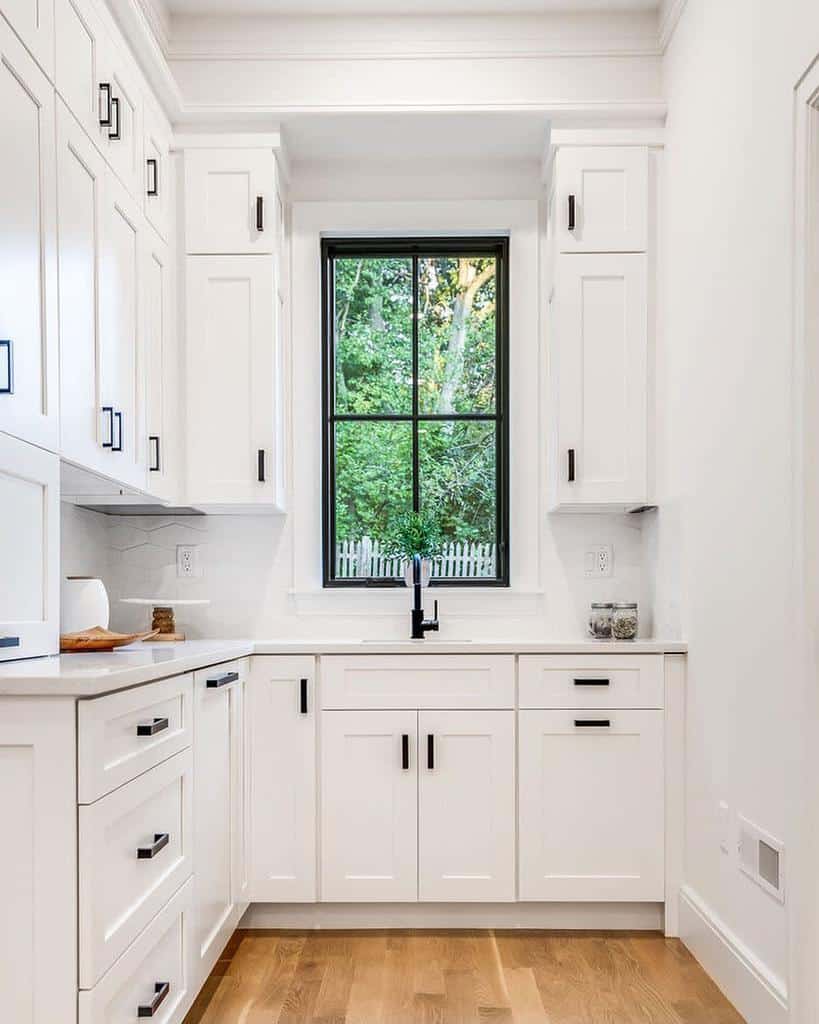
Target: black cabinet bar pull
{"type": "Point", "coordinates": [7, 378]}
{"type": "Point", "coordinates": [571, 213]}
{"type": "Point", "coordinates": [430, 752]}
{"type": "Point", "coordinates": [591, 682]}
{"type": "Point", "coordinates": [260, 461]}
{"type": "Point", "coordinates": [161, 988]}
{"type": "Point", "coordinates": [161, 840]}
{"type": "Point", "coordinates": [118, 446]}
{"type": "Point", "coordinates": [216, 681]}
{"type": "Point", "coordinates": [154, 467]}
{"type": "Point", "coordinates": [593, 723]}
{"type": "Point", "coordinates": [405, 752]}
{"type": "Point", "coordinates": [260, 214]}
{"type": "Point", "coordinates": [114, 131]}
{"type": "Point", "coordinates": [303, 696]}
{"type": "Point", "coordinates": [108, 411]}
{"type": "Point", "coordinates": [9, 641]}
{"type": "Point", "coordinates": [153, 177]}
{"type": "Point", "coordinates": [105, 94]}
{"type": "Point", "coordinates": [152, 728]}
{"type": "Point", "coordinates": [571, 465]}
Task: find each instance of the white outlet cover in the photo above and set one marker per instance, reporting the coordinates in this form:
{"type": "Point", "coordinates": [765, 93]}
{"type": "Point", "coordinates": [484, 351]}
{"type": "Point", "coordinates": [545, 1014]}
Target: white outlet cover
{"type": "Point", "coordinates": [187, 561]}
{"type": "Point", "coordinates": [598, 562]}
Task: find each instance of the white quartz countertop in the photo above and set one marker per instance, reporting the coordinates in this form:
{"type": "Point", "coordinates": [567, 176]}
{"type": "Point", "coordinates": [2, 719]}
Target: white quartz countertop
{"type": "Point", "coordinates": [90, 675]}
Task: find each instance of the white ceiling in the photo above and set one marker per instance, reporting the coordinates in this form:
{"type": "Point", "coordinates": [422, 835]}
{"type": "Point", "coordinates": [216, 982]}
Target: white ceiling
{"type": "Point", "coordinates": [384, 7]}
{"type": "Point", "coordinates": [416, 139]}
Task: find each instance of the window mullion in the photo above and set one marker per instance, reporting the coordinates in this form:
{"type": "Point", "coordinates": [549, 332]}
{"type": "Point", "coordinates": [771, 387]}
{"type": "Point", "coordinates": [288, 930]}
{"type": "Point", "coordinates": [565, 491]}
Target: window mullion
{"type": "Point", "coordinates": [416, 484]}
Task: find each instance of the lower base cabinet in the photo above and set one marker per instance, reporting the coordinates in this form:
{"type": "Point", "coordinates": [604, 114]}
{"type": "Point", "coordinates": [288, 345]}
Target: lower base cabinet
{"type": "Point", "coordinates": [591, 795]}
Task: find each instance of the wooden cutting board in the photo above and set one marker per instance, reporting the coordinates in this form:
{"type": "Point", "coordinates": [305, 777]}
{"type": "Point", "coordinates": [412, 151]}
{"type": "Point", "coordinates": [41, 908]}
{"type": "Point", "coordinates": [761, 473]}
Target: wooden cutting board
{"type": "Point", "coordinates": [99, 639]}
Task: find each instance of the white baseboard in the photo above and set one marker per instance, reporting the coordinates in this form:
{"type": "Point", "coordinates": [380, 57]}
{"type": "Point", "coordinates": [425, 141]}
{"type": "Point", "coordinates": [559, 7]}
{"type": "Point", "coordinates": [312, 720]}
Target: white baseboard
{"type": "Point", "coordinates": [579, 916]}
{"type": "Point", "coordinates": [759, 994]}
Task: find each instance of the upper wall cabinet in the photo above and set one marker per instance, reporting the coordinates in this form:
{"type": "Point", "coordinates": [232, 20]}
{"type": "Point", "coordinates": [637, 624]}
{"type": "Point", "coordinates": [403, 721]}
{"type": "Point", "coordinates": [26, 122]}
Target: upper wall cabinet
{"type": "Point", "coordinates": [80, 62]}
{"type": "Point", "coordinates": [33, 21]}
{"type": "Point", "coordinates": [600, 199]}
{"type": "Point", "coordinates": [157, 171]}
{"type": "Point", "coordinates": [28, 248]}
{"type": "Point", "coordinates": [230, 201]}
{"type": "Point", "coordinates": [161, 371]}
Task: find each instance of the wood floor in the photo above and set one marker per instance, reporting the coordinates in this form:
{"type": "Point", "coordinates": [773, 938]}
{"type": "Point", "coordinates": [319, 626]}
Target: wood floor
{"type": "Point", "coordinates": [458, 978]}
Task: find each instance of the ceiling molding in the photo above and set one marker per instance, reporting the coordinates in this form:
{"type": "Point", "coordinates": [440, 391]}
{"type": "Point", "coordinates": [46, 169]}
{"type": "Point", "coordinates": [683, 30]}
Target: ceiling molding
{"type": "Point", "coordinates": [159, 22]}
{"type": "Point", "coordinates": [561, 112]}
{"type": "Point", "coordinates": [670, 14]}
{"type": "Point", "coordinates": [493, 52]}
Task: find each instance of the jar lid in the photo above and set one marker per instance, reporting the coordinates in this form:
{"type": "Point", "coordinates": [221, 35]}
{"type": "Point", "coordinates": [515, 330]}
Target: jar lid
{"type": "Point", "coordinates": [598, 605]}
{"type": "Point", "coordinates": [628, 604]}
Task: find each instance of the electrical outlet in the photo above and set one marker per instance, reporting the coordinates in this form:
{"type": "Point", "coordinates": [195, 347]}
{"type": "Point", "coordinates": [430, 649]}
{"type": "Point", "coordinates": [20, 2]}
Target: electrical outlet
{"type": "Point", "coordinates": [187, 562]}
{"type": "Point", "coordinates": [599, 562]}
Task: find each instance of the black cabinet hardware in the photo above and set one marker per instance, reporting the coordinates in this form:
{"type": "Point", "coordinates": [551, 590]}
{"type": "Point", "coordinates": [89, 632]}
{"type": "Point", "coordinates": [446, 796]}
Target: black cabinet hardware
{"type": "Point", "coordinates": [571, 465]}
{"type": "Point", "coordinates": [260, 214]}
{"type": "Point", "coordinates": [9, 641]}
{"type": "Point", "coordinates": [153, 177]}
{"type": "Point", "coordinates": [7, 373]}
{"type": "Point", "coordinates": [108, 411]}
{"type": "Point", "coordinates": [430, 752]}
{"type": "Point", "coordinates": [118, 446]}
{"type": "Point", "coordinates": [161, 840]}
{"type": "Point", "coordinates": [591, 723]}
{"type": "Point", "coordinates": [303, 696]}
{"type": "Point", "coordinates": [405, 752]}
{"type": "Point", "coordinates": [152, 728]}
{"type": "Point", "coordinates": [161, 988]}
{"type": "Point", "coordinates": [216, 681]}
{"type": "Point", "coordinates": [260, 465]}
{"type": "Point", "coordinates": [114, 131]}
{"type": "Point", "coordinates": [571, 213]}
{"type": "Point", "coordinates": [105, 111]}
{"type": "Point", "coordinates": [591, 682]}
{"type": "Point", "coordinates": [154, 466]}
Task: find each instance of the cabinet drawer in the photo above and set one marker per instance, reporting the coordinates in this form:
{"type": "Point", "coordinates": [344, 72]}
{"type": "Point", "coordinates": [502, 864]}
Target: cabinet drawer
{"type": "Point", "coordinates": [591, 681]}
{"type": "Point", "coordinates": [354, 682]}
{"type": "Point", "coordinates": [123, 735]}
{"type": "Point", "coordinates": [128, 869]}
{"type": "Point", "coordinates": [159, 957]}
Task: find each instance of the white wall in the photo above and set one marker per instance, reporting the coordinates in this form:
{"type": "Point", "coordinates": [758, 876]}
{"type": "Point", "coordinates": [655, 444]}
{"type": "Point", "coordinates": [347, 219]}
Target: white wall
{"type": "Point", "coordinates": [722, 541]}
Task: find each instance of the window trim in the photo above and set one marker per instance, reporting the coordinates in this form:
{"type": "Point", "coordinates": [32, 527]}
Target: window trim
{"type": "Point", "coordinates": [416, 247]}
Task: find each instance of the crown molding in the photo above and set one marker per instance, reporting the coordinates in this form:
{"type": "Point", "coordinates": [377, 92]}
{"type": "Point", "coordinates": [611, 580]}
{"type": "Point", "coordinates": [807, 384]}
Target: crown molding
{"type": "Point", "coordinates": [670, 14]}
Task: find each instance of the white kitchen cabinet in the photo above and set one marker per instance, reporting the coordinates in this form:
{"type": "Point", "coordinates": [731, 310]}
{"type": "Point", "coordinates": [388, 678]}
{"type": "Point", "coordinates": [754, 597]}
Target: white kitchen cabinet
{"type": "Point", "coordinates": [282, 715]}
{"type": "Point", "coordinates": [162, 419]}
{"type": "Point", "coordinates": [29, 550]}
{"type": "Point", "coordinates": [234, 454]}
{"type": "Point", "coordinates": [28, 249]}
{"type": "Point", "coordinates": [34, 24]}
{"type": "Point", "coordinates": [121, 351]}
{"type": "Point", "coordinates": [599, 356]}
{"type": "Point", "coordinates": [591, 805]}
{"type": "Point", "coordinates": [369, 806]}
{"type": "Point", "coordinates": [230, 202]}
{"type": "Point", "coordinates": [38, 863]}
{"type": "Point", "coordinates": [466, 805]}
{"type": "Point", "coordinates": [157, 184]}
{"type": "Point", "coordinates": [121, 140]}
{"type": "Point", "coordinates": [600, 199]}
{"type": "Point", "coordinates": [81, 62]}
{"type": "Point", "coordinates": [219, 812]}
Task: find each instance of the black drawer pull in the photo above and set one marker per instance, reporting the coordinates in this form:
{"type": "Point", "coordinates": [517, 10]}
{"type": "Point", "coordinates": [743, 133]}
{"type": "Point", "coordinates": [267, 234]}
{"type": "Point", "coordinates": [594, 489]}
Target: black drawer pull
{"type": "Point", "coordinates": [152, 728]}
{"type": "Point", "coordinates": [216, 681]}
{"type": "Point", "coordinates": [571, 465]}
{"type": "Point", "coordinates": [592, 723]}
{"type": "Point", "coordinates": [260, 466]}
{"type": "Point", "coordinates": [571, 213]}
{"type": "Point", "coordinates": [108, 411]}
{"type": "Point", "coordinates": [153, 439]}
{"type": "Point", "coordinates": [153, 177]}
{"type": "Point", "coordinates": [405, 752]}
{"type": "Point", "coordinates": [114, 132]}
{"type": "Point", "coordinates": [105, 94]}
{"type": "Point", "coordinates": [118, 446]}
{"type": "Point", "coordinates": [260, 214]}
{"type": "Point", "coordinates": [431, 752]}
{"type": "Point", "coordinates": [303, 696]}
{"type": "Point", "coordinates": [592, 682]}
{"type": "Point", "coordinates": [161, 840]}
{"type": "Point", "coordinates": [7, 377]}
{"type": "Point", "coordinates": [161, 988]}
{"type": "Point", "coordinates": [9, 641]}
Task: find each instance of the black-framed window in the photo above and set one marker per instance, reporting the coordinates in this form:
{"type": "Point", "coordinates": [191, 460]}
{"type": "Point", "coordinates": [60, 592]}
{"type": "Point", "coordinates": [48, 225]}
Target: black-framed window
{"type": "Point", "coordinates": [415, 403]}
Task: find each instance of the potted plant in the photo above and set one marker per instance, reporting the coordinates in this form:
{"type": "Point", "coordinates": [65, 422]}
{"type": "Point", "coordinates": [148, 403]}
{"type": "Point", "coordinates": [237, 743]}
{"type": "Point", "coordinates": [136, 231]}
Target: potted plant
{"type": "Point", "coordinates": [411, 535]}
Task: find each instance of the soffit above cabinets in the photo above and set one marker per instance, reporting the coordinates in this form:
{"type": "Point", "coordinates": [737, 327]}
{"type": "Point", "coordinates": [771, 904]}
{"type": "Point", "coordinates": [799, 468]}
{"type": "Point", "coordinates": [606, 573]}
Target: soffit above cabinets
{"type": "Point", "coordinates": [403, 7]}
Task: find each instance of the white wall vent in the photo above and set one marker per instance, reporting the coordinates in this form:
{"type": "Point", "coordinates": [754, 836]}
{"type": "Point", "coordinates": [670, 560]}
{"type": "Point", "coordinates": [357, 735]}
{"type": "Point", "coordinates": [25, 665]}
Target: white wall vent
{"type": "Point", "coordinates": [762, 858]}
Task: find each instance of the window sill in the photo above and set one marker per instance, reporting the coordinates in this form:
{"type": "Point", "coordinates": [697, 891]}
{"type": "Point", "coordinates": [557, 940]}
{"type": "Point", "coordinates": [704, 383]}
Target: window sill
{"type": "Point", "coordinates": [461, 602]}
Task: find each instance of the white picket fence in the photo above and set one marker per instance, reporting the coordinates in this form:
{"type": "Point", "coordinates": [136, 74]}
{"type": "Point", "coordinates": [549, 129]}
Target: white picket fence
{"type": "Point", "coordinates": [363, 558]}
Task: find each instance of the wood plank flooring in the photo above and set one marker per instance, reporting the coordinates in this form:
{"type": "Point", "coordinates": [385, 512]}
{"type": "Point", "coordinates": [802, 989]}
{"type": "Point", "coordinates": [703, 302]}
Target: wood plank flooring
{"type": "Point", "coordinates": [458, 977]}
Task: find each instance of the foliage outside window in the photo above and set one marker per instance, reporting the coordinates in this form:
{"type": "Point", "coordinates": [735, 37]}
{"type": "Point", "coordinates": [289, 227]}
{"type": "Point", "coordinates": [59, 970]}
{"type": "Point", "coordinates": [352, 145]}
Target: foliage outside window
{"type": "Point", "coordinates": [415, 405]}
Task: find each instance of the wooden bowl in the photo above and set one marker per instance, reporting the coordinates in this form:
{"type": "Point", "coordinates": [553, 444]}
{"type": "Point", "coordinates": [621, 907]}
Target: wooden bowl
{"type": "Point", "coordinates": [99, 639]}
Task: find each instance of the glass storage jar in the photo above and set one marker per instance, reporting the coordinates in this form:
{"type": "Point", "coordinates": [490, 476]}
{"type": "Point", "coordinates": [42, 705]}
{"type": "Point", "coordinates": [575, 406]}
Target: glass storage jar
{"type": "Point", "coordinates": [600, 621]}
{"type": "Point", "coordinates": [624, 621]}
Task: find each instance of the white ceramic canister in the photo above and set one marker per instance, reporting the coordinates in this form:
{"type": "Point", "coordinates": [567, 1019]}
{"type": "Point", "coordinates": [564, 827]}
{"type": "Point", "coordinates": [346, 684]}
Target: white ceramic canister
{"type": "Point", "coordinates": [83, 604]}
